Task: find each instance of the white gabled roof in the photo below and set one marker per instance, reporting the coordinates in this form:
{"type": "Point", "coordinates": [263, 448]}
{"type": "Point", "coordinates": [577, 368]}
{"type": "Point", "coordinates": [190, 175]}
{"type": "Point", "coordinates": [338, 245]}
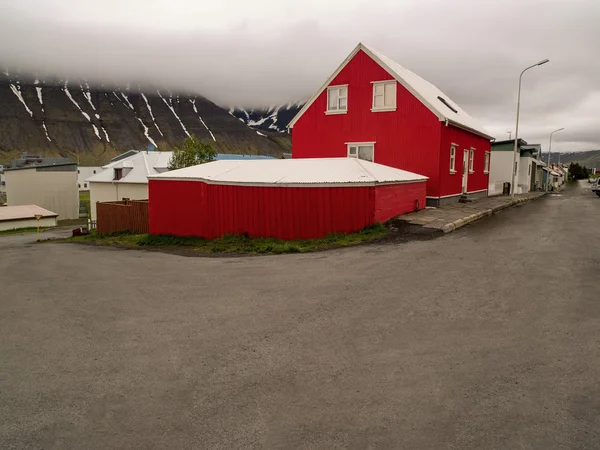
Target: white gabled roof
{"type": "Point", "coordinates": [423, 90]}
{"type": "Point", "coordinates": [142, 165]}
{"type": "Point", "coordinates": [23, 212]}
{"type": "Point", "coordinates": [296, 172]}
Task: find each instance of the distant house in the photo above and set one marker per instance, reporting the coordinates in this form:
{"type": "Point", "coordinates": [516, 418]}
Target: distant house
{"type": "Point", "coordinates": [527, 167]}
{"type": "Point", "coordinates": [23, 216]}
{"type": "Point", "coordinates": [85, 172]}
{"type": "Point", "coordinates": [374, 109]}
{"type": "Point", "coordinates": [126, 176]}
{"type": "Point", "coordinates": [53, 187]}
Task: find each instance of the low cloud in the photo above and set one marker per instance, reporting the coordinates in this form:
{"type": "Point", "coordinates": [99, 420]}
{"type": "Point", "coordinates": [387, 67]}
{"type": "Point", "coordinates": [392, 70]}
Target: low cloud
{"type": "Point", "coordinates": [472, 50]}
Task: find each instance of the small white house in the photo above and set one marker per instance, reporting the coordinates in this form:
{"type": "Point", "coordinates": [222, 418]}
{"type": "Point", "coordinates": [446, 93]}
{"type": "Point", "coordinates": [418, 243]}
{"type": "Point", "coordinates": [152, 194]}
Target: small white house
{"type": "Point", "coordinates": [527, 167]}
{"type": "Point", "coordinates": [85, 172]}
{"type": "Point", "coordinates": [126, 177]}
{"type": "Point", "coordinates": [24, 216]}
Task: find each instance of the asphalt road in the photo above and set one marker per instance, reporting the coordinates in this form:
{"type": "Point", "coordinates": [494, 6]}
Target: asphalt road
{"type": "Point", "coordinates": [487, 338]}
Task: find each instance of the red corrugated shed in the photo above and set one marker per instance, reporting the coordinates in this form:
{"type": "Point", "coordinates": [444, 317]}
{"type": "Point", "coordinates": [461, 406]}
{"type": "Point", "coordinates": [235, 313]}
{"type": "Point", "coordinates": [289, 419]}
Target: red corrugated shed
{"type": "Point", "coordinates": [259, 199]}
{"type": "Point", "coordinates": [414, 136]}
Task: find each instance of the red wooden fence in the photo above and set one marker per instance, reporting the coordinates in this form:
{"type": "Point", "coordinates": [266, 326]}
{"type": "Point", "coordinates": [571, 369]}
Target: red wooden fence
{"type": "Point", "coordinates": [127, 215]}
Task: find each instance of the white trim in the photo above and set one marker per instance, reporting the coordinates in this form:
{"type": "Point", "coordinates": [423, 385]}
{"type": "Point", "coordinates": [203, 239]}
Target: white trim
{"type": "Point", "coordinates": [333, 112]}
{"type": "Point", "coordinates": [453, 172]}
{"type": "Point", "coordinates": [471, 160]}
{"type": "Point", "coordinates": [487, 157]}
{"type": "Point", "coordinates": [400, 80]}
{"type": "Point", "coordinates": [360, 144]}
{"type": "Point", "coordinates": [475, 192]}
{"type": "Point", "coordinates": [452, 162]}
{"type": "Point", "coordinates": [383, 109]}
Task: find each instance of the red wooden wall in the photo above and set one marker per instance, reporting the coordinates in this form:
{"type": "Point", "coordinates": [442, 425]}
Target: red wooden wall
{"type": "Point", "coordinates": [391, 200]}
{"type": "Point", "coordinates": [451, 184]}
{"type": "Point", "coordinates": [193, 208]}
{"type": "Point", "coordinates": [408, 138]}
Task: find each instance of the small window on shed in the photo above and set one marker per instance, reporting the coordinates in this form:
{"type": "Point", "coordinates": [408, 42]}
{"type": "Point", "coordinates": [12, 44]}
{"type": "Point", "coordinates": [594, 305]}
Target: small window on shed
{"type": "Point", "coordinates": [361, 151]}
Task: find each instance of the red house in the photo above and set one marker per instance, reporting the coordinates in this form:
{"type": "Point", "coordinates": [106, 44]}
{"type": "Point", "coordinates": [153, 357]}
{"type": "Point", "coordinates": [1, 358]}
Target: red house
{"type": "Point", "coordinates": [374, 109]}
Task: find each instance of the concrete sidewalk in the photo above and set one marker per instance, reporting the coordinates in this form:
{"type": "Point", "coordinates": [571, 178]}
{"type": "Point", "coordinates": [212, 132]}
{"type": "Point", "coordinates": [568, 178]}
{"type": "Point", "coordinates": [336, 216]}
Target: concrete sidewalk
{"type": "Point", "coordinates": [452, 217]}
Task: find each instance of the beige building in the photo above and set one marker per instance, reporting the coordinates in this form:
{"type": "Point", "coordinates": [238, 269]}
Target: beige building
{"type": "Point", "coordinates": [126, 177]}
{"type": "Point", "coordinates": [53, 187]}
{"type": "Point", "coordinates": [24, 216]}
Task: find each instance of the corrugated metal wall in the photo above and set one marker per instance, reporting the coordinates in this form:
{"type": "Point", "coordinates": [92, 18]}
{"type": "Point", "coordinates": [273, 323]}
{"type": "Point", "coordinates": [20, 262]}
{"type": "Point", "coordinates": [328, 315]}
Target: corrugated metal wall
{"type": "Point", "coordinates": [408, 138]}
{"type": "Point", "coordinates": [391, 200]}
{"type": "Point", "coordinates": [130, 215]}
{"type": "Point", "coordinates": [191, 208]}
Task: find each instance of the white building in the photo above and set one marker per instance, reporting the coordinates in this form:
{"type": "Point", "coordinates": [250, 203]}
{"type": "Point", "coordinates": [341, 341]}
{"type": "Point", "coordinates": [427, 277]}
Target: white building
{"type": "Point", "coordinates": [126, 177]}
{"type": "Point", "coordinates": [23, 216]}
{"type": "Point", "coordinates": [53, 187]}
{"type": "Point", "coordinates": [527, 167]}
{"type": "Point", "coordinates": [85, 172]}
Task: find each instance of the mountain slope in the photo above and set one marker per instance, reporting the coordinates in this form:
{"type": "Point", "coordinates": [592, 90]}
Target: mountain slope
{"type": "Point", "coordinates": [588, 159]}
{"type": "Point", "coordinates": [70, 119]}
{"type": "Point", "coordinates": [274, 118]}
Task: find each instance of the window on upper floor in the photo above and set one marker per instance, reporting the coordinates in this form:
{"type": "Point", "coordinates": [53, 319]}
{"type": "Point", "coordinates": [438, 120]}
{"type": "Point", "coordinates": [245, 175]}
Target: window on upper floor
{"type": "Point", "coordinates": [118, 174]}
{"type": "Point", "coordinates": [362, 150]}
{"type": "Point", "coordinates": [486, 164]}
{"type": "Point", "coordinates": [472, 160]}
{"type": "Point", "coordinates": [453, 158]}
{"type": "Point", "coordinates": [337, 100]}
{"type": "Point", "coordinates": [384, 96]}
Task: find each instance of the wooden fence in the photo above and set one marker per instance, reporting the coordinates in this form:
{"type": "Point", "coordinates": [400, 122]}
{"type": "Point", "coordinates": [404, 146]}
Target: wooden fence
{"type": "Point", "coordinates": [127, 215]}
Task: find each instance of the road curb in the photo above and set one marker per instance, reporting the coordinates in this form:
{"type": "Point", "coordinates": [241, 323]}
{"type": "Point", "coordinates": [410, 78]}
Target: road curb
{"type": "Point", "coordinates": [457, 224]}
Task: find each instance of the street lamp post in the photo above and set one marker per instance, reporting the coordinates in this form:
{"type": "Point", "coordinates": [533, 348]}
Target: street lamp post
{"type": "Point", "coordinates": [550, 150]}
{"type": "Point", "coordinates": [516, 147]}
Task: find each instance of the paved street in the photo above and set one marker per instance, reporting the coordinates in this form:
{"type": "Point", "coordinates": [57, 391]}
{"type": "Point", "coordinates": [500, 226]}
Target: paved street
{"type": "Point", "coordinates": [486, 338]}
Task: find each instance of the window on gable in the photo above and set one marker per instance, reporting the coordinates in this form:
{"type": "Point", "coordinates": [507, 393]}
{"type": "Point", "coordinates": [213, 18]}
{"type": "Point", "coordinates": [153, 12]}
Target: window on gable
{"type": "Point", "coordinates": [337, 99]}
{"type": "Point", "coordinates": [486, 165]}
{"type": "Point", "coordinates": [384, 96]}
{"type": "Point", "coordinates": [471, 160]}
{"type": "Point", "coordinates": [364, 151]}
{"type": "Point", "coordinates": [453, 158]}
{"type": "Point", "coordinates": [118, 174]}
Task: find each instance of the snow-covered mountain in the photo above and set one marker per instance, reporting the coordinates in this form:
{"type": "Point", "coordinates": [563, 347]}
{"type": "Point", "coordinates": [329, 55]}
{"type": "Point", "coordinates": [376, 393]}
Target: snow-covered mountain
{"type": "Point", "coordinates": [273, 118]}
{"type": "Point", "coordinates": [54, 116]}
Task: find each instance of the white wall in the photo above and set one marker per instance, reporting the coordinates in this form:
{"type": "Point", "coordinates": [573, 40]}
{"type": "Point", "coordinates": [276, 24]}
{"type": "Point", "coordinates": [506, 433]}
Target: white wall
{"type": "Point", "coordinates": [45, 222]}
{"type": "Point", "coordinates": [83, 173]}
{"type": "Point", "coordinates": [52, 189]}
{"type": "Point", "coordinates": [501, 164]}
{"type": "Point", "coordinates": [110, 192]}
{"type": "Point", "coordinates": [525, 173]}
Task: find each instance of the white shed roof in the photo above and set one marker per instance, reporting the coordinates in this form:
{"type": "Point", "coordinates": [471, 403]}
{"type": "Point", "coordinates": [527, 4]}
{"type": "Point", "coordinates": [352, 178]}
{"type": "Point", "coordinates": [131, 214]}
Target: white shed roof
{"type": "Point", "coordinates": [23, 212]}
{"type": "Point", "coordinates": [296, 172]}
{"type": "Point", "coordinates": [422, 89]}
{"type": "Point", "coordinates": [142, 165]}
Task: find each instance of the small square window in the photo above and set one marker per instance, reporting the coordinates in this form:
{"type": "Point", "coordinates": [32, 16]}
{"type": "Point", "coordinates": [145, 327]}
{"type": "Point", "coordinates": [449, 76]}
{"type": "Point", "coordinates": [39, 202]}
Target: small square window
{"type": "Point", "coordinates": [337, 99]}
{"type": "Point", "coordinates": [384, 96]}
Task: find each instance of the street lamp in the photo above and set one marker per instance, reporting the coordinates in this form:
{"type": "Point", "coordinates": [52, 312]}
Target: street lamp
{"type": "Point", "coordinates": [549, 151]}
{"type": "Point", "coordinates": [512, 184]}
{"type": "Point", "coordinates": [550, 144]}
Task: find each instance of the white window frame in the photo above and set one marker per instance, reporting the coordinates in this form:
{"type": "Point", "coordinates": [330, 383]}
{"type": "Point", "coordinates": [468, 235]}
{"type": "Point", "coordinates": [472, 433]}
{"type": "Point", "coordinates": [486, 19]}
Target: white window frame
{"type": "Point", "coordinates": [471, 160]}
{"type": "Point", "coordinates": [486, 162]}
{"type": "Point", "coordinates": [453, 148]}
{"type": "Point", "coordinates": [350, 145]}
{"type": "Point", "coordinates": [391, 106]}
{"type": "Point", "coordinates": [337, 88]}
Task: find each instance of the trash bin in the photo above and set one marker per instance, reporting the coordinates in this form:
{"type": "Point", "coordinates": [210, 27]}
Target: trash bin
{"type": "Point", "coordinates": [506, 188]}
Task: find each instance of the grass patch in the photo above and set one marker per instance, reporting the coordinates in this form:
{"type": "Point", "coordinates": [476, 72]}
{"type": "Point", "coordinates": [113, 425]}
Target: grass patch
{"type": "Point", "coordinates": [234, 244]}
{"type": "Point", "coordinates": [24, 230]}
{"type": "Point", "coordinates": [84, 197]}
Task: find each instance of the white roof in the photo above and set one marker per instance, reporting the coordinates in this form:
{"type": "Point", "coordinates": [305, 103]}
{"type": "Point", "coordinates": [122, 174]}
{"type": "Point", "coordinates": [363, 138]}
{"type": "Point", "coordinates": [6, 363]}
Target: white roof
{"type": "Point", "coordinates": [23, 212]}
{"type": "Point", "coordinates": [142, 165]}
{"type": "Point", "coordinates": [297, 172]}
{"type": "Point", "coordinates": [426, 92]}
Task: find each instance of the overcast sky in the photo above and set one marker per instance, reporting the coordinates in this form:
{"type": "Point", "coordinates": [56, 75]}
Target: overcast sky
{"type": "Point", "coordinates": [267, 52]}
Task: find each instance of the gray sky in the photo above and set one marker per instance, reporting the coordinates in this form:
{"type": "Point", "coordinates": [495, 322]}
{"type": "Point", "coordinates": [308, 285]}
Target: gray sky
{"type": "Point", "coordinates": [263, 52]}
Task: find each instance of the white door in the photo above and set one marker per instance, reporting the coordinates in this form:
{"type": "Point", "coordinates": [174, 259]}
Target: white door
{"type": "Point", "coordinates": [465, 177]}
